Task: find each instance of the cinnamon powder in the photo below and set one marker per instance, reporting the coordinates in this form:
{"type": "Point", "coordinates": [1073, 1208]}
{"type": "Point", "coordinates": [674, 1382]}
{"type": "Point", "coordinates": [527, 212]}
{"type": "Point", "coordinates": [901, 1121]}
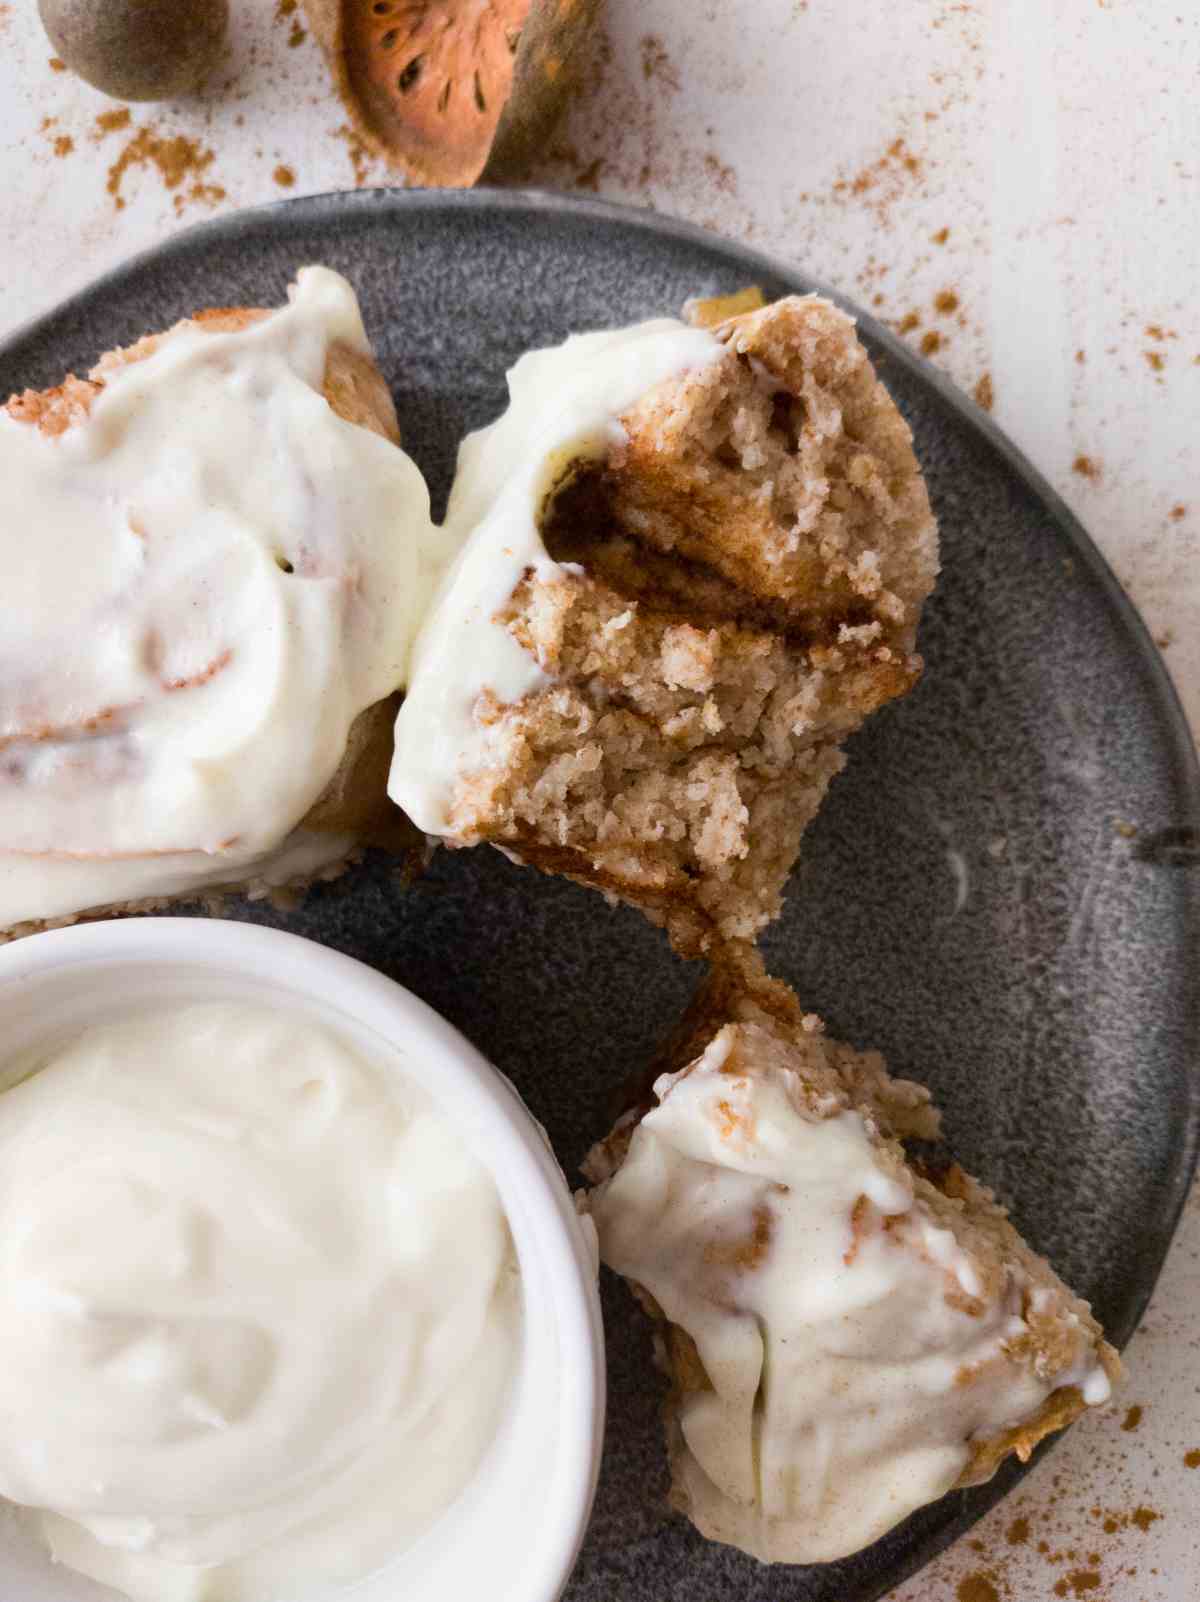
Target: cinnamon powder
{"type": "Point", "coordinates": [1078, 1583]}
{"type": "Point", "coordinates": [111, 122]}
{"type": "Point", "coordinates": [657, 65]}
{"type": "Point", "coordinates": [361, 159]}
{"type": "Point", "coordinates": [177, 160]}
{"type": "Point", "coordinates": [285, 11]}
{"type": "Point", "coordinates": [977, 1588]}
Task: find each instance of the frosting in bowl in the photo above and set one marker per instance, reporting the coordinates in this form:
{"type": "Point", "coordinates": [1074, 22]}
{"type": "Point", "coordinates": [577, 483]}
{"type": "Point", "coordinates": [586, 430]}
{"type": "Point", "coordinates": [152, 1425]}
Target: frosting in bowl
{"type": "Point", "coordinates": [259, 1304]}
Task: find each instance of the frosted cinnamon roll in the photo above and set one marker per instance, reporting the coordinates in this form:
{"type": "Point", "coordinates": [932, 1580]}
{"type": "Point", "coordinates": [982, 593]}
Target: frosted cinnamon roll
{"type": "Point", "coordinates": [691, 560]}
{"type": "Point", "coordinates": [847, 1335]}
{"type": "Point", "coordinates": [213, 556]}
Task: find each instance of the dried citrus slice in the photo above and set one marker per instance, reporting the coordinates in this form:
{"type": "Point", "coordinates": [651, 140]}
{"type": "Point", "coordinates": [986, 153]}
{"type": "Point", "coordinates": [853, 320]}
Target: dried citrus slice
{"type": "Point", "coordinates": [447, 88]}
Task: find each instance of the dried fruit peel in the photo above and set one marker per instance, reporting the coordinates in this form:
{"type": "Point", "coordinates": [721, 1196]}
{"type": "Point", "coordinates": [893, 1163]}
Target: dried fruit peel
{"type": "Point", "coordinates": [453, 90]}
{"type": "Point", "coordinates": [714, 309]}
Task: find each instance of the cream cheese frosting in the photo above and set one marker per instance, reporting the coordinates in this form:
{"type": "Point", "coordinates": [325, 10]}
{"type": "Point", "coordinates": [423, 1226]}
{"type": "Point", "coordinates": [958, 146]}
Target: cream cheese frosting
{"type": "Point", "coordinates": [206, 579]}
{"type": "Point", "coordinates": [851, 1346]}
{"type": "Point", "coordinates": [259, 1305]}
{"type": "Point", "coordinates": [565, 405]}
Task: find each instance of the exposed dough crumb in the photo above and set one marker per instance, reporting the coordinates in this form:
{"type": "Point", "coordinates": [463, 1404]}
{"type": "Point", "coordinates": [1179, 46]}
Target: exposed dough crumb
{"type": "Point", "coordinates": [744, 575]}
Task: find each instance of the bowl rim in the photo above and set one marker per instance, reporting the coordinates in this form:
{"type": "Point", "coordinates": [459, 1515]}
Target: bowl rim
{"type": "Point", "coordinates": [550, 1224]}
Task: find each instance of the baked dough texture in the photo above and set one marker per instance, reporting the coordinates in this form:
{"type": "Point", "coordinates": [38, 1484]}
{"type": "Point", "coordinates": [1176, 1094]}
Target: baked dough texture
{"type": "Point", "coordinates": [739, 585]}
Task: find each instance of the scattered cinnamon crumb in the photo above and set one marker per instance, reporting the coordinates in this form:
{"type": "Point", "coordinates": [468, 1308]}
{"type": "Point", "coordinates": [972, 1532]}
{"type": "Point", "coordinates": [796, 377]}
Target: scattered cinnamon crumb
{"type": "Point", "coordinates": [285, 10]}
{"type": "Point", "coordinates": [63, 145]}
{"type": "Point", "coordinates": [284, 176]}
{"type": "Point", "coordinates": [722, 176]}
{"type": "Point", "coordinates": [978, 1587]}
{"type": "Point", "coordinates": [1134, 1416]}
{"type": "Point", "coordinates": [945, 302]}
{"type": "Point", "coordinates": [1078, 1583]}
{"type": "Point", "coordinates": [176, 159]}
{"type": "Point", "coordinates": [940, 237]}
{"type": "Point", "coordinates": [1086, 467]}
{"type": "Point", "coordinates": [1192, 1459]}
{"type": "Point", "coordinates": [1128, 831]}
{"type": "Point", "coordinates": [112, 121]}
{"type": "Point", "coordinates": [1177, 513]}
{"type": "Point", "coordinates": [910, 321]}
{"type": "Point", "coordinates": [985, 393]}
{"type": "Point", "coordinates": [656, 63]}
{"type": "Point", "coordinates": [361, 158]}
{"type": "Point", "coordinates": [883, 180]}
{"type": "Point", "coordinates": [1155, 360]}
{"type": "Point", "coordinates": [1018, 1532]}
{"type": "Point", "coordinates": [1144, 1517]}
{"type": "Point", "coordinates": [201, 194]}
{"type": "Point", "coordinates": [57, 64]}
{"type": "Point", "coordinates": [1081, 357]}
{"type": "Point", "coordinates": [931, 343]}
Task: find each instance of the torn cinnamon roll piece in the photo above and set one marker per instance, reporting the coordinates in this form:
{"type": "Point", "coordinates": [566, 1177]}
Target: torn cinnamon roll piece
{"type": "Point", "coordinates": [847, 1335]}
{"type": "Point", "coordinates": [691, 561]}
{"type": "Point", "coordinates": [214, 557]}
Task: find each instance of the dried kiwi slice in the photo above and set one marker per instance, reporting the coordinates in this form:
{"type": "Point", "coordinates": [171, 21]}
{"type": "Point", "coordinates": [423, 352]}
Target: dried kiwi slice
{"type": "Point", "coordinates": [447, 88]}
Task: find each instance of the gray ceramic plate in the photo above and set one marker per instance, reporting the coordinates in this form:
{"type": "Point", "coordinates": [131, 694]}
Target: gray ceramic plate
{"type": "Point", "coordinates": [971, 899]}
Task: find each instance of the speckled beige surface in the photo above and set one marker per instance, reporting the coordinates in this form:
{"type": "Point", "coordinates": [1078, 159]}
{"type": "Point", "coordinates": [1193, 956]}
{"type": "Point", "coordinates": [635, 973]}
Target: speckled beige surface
{"type": "Point", "coordinates": [886, 150]}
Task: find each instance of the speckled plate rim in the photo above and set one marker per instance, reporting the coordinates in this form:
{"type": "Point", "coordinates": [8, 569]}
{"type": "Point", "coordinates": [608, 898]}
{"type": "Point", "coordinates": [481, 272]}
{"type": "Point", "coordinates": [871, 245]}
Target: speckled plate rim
{"type": "Point", "coordinates": [392, 203]}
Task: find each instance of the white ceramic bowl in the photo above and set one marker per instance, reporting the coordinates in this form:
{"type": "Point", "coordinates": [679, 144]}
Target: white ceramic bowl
{"type": "Point", "coordinates": [516, 1529]}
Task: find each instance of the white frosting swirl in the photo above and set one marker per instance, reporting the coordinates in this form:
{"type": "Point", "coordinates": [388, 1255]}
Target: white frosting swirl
{"type": "Point", "coordinates": [853, 1350]}
{"type": "Point", "coordinates": [205, 580]}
